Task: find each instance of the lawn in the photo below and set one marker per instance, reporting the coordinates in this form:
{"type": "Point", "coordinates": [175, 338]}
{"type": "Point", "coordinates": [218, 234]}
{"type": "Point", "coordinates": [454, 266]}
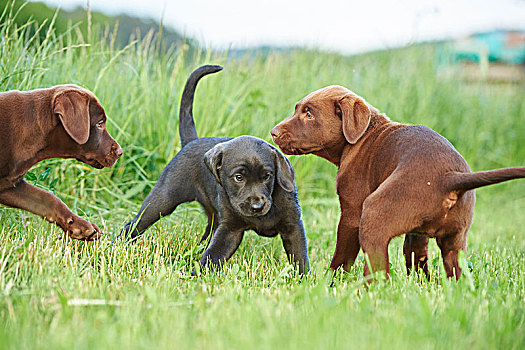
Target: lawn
{"type": "Point", "coordinates": [59, 293]}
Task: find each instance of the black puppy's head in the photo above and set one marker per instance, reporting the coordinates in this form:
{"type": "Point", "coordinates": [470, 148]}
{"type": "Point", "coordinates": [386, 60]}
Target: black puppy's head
{"type": "Point", "coordinates": [248, 168]}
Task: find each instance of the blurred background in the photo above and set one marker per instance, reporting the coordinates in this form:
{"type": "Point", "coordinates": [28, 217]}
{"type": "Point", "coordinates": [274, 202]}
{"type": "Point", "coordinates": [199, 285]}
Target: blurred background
{"type": "Point", "coordinates": [347, 27]}
{"type": "Point", "coordinates": [479, 30]}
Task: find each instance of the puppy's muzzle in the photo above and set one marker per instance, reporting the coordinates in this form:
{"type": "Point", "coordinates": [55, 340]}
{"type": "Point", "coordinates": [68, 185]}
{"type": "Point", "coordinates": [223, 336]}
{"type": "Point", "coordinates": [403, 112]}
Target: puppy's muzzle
{"type": "Point", "coordinates": [114, 154]}
{"type": "Point", "coordinates": [281, 137]}
{"type": "Point", "coordinates": [278, 135]}
{"type": "Point", "coordinates": [255, 206]}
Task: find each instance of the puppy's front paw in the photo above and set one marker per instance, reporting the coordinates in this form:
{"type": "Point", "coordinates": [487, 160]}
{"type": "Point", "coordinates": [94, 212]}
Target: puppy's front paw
{"type": "Point", "coordinates": [78, 228]}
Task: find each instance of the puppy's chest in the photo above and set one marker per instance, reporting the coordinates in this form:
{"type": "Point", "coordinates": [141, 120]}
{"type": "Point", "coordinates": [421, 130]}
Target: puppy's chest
{"type": "Point", "coordinates": [11, 175]}
{"type": "Point", "coordinates": [267, 232]}
{"type": "Point", "coordinates": [264, 226]}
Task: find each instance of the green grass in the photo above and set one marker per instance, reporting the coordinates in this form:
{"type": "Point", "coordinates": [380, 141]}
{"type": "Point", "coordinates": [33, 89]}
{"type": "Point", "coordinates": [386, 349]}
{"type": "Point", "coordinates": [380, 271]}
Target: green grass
{"type": "Point", "coordinates": [257, 301]}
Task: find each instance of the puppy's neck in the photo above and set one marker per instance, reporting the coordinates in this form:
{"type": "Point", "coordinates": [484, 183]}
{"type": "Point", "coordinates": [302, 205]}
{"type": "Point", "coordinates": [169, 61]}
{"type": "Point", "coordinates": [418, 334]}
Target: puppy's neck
{"type": "Point", "coordinates": [49, 136]}
{"type": "Point", "coordinates": [377, 123]}
{"type": "Point", "coordinates": [332, 154]}
{"type": "Point", "coordinates": [29, 127]}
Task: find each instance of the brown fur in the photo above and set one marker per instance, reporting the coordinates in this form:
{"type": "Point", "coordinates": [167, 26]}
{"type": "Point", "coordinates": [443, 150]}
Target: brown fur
{"type": "Point", "coordinates": [64, 121]}
{"type": "Point", "coordinates": [392, 179]}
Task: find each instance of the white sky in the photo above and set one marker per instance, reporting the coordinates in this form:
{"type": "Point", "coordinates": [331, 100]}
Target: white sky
{"type": "Point", "coordinates": [344, 26]}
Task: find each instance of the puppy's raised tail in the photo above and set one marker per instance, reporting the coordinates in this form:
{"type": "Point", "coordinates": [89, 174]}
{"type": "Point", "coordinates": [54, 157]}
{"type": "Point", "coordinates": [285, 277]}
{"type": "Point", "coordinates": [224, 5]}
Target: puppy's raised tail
{"type": "Point", "coordinates": [456, 181]}
{"type": "Point", "coordinates": [187, 129]}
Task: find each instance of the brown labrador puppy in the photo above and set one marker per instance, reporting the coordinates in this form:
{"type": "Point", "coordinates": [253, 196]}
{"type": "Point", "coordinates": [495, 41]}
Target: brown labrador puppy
{"type": "Point", "coordinates": [393, 179]}
{"type": "Point", "coordinates": [64, 121]}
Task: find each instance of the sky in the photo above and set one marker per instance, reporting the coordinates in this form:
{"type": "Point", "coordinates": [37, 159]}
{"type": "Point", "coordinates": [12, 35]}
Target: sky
{"type": "Point", "coordinates": [336, 25]}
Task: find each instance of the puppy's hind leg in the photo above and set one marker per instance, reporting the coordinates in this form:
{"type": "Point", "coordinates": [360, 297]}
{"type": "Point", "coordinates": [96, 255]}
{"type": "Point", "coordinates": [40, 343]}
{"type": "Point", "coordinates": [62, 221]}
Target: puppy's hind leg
{"type": "Point", "coordinates": [415, 250]}
{"type": "Point", "coordinates": [450, 247]}
{"type": "Point", "coordinates": [381, 220]}
{"type": "Point", "coordinates": [162, 201]}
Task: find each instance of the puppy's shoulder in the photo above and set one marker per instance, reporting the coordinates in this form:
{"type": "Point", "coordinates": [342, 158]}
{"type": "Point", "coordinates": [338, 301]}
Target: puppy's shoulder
{"type": "Point", "coordinates": [284, 199]}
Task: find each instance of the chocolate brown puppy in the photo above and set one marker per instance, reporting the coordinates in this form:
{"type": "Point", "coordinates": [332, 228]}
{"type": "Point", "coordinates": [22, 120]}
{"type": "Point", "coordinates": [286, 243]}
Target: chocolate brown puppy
{"type": "Point", "coordinates": [243, 183]}
{"type": "Point", "coordinates": [392, 179]}
{"type": "Point", "coordinates": [65, 121]}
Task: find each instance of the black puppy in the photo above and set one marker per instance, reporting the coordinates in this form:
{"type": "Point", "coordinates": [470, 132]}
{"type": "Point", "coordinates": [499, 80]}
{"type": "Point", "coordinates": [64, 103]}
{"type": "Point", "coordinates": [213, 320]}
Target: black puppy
{"type": "Point", "coordinates": [243, 183]}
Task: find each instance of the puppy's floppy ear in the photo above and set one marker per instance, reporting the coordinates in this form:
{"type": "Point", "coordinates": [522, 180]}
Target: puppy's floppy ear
{"type": "Point", "coordinates": [72, 108]}
{"type": "Point", "coordinates": [213, 160]}
{"type": "Point", "coordinates": [355, 115]}
{"type": "Point", "coordinates": [285, 172]}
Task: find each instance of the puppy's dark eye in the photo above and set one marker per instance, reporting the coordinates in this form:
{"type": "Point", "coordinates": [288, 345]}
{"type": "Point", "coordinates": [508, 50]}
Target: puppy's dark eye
{"type": "Point", "coordinates": [100, 125]}
{"type": "Point", "coordinates": [238, 178]}
{"type": "Point", "coordinates": [267, 176]}
{"type": "Point", "coordinates": [309, 115]}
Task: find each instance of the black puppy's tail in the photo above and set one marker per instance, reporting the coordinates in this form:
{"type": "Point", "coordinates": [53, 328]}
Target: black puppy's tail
{"type": "Point", "coordinates": [457, 181]}
{"type": "Point", "coordinates": [187, 129]}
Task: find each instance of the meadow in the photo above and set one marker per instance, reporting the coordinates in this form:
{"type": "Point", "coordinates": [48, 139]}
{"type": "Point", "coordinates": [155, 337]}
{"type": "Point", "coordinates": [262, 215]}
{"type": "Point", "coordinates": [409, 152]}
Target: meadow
{"type": "Point", "coordinates": [58, 293]}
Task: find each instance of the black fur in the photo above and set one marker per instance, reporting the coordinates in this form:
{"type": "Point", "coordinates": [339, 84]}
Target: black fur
{"type": "Point", "coordinates": [243, 183]}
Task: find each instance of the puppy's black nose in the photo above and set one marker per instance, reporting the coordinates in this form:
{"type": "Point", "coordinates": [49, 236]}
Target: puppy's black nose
{"type": "Point", "coordinates": [257, 207]}
{"type": "Point", "coordinates": [275, 132]}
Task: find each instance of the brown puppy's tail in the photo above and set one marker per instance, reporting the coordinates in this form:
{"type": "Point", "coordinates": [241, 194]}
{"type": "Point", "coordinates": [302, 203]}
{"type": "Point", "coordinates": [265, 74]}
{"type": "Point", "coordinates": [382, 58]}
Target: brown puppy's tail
{"type": "Point", "coordinates": [187, 129]}
{"type": "Point", "coordinates": [456, 181]}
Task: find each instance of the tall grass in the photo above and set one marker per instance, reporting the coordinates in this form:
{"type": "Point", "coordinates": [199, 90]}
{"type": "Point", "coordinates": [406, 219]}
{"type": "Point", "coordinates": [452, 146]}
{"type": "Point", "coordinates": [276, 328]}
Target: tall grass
{"type": "Point", "coordinates": [150, 300]}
